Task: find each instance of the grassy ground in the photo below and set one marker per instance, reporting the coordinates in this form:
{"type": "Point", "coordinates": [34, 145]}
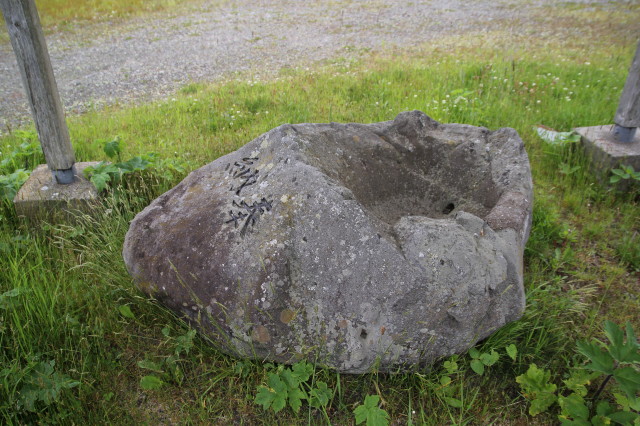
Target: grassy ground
{"type": "Point", "coordinates": [110, 15]}
{"type": "Point", "coordinates": [65, 295]}
{"type": "Point", "coordinates": [60, 13]}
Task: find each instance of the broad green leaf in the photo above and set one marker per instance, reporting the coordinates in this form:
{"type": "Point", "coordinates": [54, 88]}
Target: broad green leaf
{"type": "Point", "coordinates": [134, 164]}
{"type": "Point", "coordinates": [111, 169]}
{"type": "Point", "coordinates": [361, 414]}
{"type": "Point", "coordinates": [295, 394]}
{"type": "Point", "coordinates": [614, 179]}
{"type": "Point", "coordinates": [450, 366]}
{"type": "Point", "coordinates": [100, 180]}
{"type": "Point", "coordinates": [536, 380]}
{"type": "Point", "coordinates": [631, 351]}
{"type": "Point", "coordinates": [628, 168]}
{"type": "Point", "coordinates": [489, 359]}
{"type": "Point", "coordinates": [598, 420]}
{"type": "Point", "coordinates": [184, 343]}
{"type": "Point", "coordinates": [288, 377]}
{"type": "Point", "coordinates": [624, 417]}
{"type": "Point", "coordinates": [370, 413]}
{"type": "Point", "coordinates": [113, 148]}
{"type": "Point", "coordinates": [512, 351]}
{"type": "Point", "coordinates": [604, 408]}
{"type": "Point", "coordinates": [454, 402]}
{"type": "Point", "coordinates": [174, 368]}
{"type": "Point", "coordinates": [616, 337]}
{"type": "Point", "coordinates": [634, 403]}
{"type": "Point", "coordinates": [151, 382]}
{"type": "Point", "coordinates": [150, 365]}
{"type": "Point", "coordinates": [43, 384]}
{"type": "Point", "coordinates": [573, 408]}
{"type": "Point", "coordinates": [542, 403]}
{"type": "Point", "coordinates": [295, 397]}
{"type": "Point", "coordinates": [579, 379]}
{"type": "Point", "coordinates": [279, 401]}
{"type": "Point", "coordinates": [89, 170]}
{"type": "Point", "coordinates": [474, 353]}
{"type": "Point", "coordinates": [629, 380]}
{"type": "Point", "coordinates": [445, 380]}
{"type": "Point", "coordinates": [125, 311]}
{"type": "Point", "coordinates": [626, 403]}
{"type": "Point", "coordinates": [621, 173]}
{"type": "Point", "coordinates": [320, 395]}
{"type": "Point", "coordinates": [274, 395]}
{"type": "Point", "coordinates": [265, 397]}
{"type": "Point", "coordinates": [537, 389]}
{"type": "Point", "coordinates": [477, 366]}
{"type": "Point", "coordinates": [279, 388]}
{"type": "Point", "coordinates": [10, 184]}
{"type": "Point", "coordinates": [631, 337]}
{"type": "Point", "coordinates": [8, 299]}
{"type": "Point", "coordinates": [276, 383]}
{"type": "Point", "coordinates": [600, 360]}
{"type": "Point", "coordinates": [302, 371]}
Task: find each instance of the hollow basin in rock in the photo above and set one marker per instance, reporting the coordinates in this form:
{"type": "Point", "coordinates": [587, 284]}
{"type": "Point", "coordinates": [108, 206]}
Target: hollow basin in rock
{"type": "Point", "coordinates": [385, 245]}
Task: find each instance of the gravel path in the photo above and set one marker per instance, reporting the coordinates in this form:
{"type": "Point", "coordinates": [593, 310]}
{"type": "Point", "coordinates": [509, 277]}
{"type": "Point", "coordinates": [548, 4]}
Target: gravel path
{"type": "Point", "coordinates": [147, 58]}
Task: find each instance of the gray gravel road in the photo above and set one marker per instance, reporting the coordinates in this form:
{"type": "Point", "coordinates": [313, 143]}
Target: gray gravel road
{"type": "Point", "coordinates": [147, 58]}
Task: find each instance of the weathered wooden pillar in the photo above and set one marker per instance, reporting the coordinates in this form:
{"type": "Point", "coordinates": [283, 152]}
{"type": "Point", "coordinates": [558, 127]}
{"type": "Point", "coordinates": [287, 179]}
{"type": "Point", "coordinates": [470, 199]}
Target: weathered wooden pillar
{"type": "Point", "coordinates": [31, 51]}
{"type": "Point", "coordinates": [627, 116]}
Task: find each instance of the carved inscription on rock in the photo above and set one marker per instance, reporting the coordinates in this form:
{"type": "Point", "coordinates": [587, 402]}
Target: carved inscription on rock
{"type": "Point", "coordinates": [242, 214]}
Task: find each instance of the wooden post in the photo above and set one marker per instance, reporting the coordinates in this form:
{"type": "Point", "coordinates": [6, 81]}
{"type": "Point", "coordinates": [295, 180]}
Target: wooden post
{"type": "Point", "coordinates": [627, 117]}
{"type": "Point", "coordinates": [31, 51]}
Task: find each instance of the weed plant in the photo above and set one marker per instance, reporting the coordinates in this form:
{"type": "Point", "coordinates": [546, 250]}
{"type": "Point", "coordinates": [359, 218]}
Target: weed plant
{"type": "Point", "coordinates": [79, 343]}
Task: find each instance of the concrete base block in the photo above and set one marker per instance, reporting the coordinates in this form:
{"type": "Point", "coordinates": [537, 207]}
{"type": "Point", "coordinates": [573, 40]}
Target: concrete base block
{"type": "Point", "coordinates": [42, 198]}
{"type": "Point", "coordinates": [607, 154]}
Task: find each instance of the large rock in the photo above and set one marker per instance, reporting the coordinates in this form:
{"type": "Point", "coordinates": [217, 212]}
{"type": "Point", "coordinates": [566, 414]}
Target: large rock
{"type": "Point", "coordinates": [389, 244]}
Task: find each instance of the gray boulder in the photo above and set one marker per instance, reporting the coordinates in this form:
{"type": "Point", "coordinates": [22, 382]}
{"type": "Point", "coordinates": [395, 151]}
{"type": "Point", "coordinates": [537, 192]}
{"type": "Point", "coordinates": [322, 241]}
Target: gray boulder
{"type": "Point", "coordinates": [384, 245]}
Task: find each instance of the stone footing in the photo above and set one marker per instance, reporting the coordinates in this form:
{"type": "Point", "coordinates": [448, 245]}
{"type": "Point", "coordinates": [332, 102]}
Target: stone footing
{"type": "Point", "coordinates": [42, 198]}
{"type": "Point", "coordinates": [607, 154]}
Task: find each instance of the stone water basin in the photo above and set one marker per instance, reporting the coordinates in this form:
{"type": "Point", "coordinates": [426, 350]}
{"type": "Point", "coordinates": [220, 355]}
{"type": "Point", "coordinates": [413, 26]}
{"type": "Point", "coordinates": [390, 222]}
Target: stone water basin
{"type": "Point", "coordinates": [355, 246]}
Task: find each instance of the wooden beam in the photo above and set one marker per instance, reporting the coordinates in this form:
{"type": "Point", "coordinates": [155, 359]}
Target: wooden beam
{"type": "Point", "coordinates": [627, 116]}
{"type": "Point", "coordinates": [31, 51]}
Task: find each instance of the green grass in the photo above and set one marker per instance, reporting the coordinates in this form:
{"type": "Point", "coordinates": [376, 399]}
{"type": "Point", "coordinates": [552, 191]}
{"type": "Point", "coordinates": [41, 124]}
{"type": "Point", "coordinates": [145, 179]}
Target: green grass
{"type": "Point", "coordinates": [60, 13]}
{"type": "Point", "coordinates": [111, 15]}
{"type": "Point", "coordinates": [582, 258]}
